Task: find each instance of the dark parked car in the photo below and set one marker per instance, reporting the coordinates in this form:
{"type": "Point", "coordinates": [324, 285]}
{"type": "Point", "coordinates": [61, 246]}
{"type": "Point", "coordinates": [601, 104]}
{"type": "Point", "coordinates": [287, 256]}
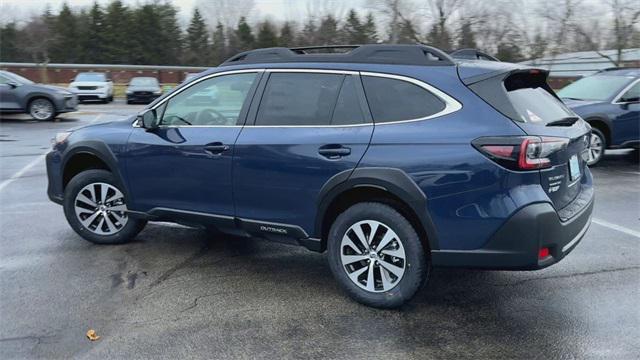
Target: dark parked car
{"type": "Point", "coordinates": [610, 102]}
{"type": "Point", "coordinates": [392, 158]}
{"type": "Point", "coordinates": [143, 90]}
{"type": "Point", "coordinates": [42, 102]}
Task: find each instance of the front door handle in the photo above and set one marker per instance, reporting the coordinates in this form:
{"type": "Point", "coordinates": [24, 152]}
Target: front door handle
{"type": "Point", "coordinates": [334, 151]}
{"type": "Point", "coordinates": [216, 148]}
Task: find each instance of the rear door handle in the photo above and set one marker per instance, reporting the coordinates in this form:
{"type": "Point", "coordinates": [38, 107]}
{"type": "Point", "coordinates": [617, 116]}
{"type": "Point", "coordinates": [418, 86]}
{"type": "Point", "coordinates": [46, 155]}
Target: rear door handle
{"type": "Point", "coordinates": [216, 148]}
{"type": "Point", "coordinates": [334, 151]}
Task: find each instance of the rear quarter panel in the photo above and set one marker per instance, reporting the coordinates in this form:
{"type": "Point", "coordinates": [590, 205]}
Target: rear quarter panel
{"type": "Point", "coordinates": [468, 196]}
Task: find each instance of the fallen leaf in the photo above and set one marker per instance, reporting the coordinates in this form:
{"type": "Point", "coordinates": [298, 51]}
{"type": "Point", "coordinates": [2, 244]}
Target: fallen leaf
{"type": "Point", "coordinates": [91, 335]}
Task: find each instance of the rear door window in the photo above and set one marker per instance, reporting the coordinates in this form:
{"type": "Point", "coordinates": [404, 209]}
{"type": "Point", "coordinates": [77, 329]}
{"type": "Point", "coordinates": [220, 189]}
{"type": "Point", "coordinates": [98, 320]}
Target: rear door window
{"type": "Point", "coordinates": [398, 100]}
{"type": "Point", "coordinates": [302, 99]}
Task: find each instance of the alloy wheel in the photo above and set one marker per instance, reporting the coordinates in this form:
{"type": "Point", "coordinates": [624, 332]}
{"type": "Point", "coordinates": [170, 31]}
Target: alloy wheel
{"type": "Point", "coordinates": [101, 209]}
{"type": "Point", "coordinates": [596, 148]}
{"type": "Point", "coordinates": [372, 255]}
{"type": "Point", "coordinates": [41, 109]}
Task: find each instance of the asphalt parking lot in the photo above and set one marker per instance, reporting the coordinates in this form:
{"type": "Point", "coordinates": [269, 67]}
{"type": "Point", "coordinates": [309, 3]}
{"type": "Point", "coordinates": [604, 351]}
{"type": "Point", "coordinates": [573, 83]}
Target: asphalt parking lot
{"type": "Point", "coordinates": [179, 292]}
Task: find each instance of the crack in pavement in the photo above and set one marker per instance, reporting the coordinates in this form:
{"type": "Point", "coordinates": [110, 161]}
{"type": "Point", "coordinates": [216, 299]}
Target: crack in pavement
{"type": "Point", "coordinates": [587, 273]}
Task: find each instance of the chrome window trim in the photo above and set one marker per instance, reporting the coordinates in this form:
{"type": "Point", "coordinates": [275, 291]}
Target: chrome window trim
{"type": "Point", "coordinates": [616, 99]}
{"type": "Point", "coordinates": [451, 105]}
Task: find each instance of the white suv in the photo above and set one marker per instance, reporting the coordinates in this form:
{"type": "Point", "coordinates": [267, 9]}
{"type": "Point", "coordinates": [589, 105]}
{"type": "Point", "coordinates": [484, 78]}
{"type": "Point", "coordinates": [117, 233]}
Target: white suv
{"type": "Point", "coordinates": [93, 86]}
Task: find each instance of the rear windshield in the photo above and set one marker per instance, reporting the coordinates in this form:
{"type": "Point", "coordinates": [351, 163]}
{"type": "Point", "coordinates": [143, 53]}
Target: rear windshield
{"type": "Point", "coordinates": [537, 105]}
{"type": "Point", "coordinates": [90, 77]}
{"type": "Point", "coordinates": [596, 88]}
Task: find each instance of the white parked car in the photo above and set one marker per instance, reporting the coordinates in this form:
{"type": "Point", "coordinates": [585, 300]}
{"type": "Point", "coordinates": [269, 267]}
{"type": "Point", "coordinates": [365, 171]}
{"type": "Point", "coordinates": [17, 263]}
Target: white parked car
{"type": "Point", "coordinates": [92, 86]}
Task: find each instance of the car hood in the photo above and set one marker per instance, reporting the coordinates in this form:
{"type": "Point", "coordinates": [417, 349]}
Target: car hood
{"type": "Point", "coordinates": [88, 83]}
{"type": "Point", "coordinates": [574, 103]}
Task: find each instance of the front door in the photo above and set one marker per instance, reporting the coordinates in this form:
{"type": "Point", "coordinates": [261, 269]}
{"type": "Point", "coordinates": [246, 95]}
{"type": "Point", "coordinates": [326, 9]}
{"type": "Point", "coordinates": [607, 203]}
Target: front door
{"type": "Point", "coordinates": [185, 164]}
{"type": "Point", "coordinates": [8, 95]}
{"type": "Point", "coordinates": [309, 126]}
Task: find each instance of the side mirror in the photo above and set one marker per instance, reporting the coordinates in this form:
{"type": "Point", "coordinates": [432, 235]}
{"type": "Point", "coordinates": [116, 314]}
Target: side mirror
{"type": "Point", "coordinates": [12, 84]}
{"type": "Point", "coordinates": [148, 119]}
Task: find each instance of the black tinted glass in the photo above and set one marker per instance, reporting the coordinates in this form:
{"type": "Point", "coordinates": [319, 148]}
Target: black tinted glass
{"type": "Point", "coordinates": [348, 110]}
{"type": "Point", "coordinates": [396, 100]}
{"type": "Point", "coordinates": [299, 99]}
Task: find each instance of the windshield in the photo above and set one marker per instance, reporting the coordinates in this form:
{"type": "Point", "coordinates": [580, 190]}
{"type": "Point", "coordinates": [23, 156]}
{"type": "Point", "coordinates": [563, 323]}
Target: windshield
{"type": "Point", "coordinates": [17, 78]}
{"type": "Point", "coordinates": [597, 88]}
{"type": "Point", "coordinates": [90, 77]}
{"type": "Point", "coordinates": [144, 81]}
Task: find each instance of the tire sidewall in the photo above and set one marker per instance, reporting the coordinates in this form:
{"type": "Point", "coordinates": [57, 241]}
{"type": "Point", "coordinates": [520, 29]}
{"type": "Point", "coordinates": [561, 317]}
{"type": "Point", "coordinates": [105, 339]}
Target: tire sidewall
{"type": "Point", "coordinates": [131, 228]}
{"type": "Point", "coordinates": [599, 133]}
{"type": "Point", "coordinates": [416, 267]}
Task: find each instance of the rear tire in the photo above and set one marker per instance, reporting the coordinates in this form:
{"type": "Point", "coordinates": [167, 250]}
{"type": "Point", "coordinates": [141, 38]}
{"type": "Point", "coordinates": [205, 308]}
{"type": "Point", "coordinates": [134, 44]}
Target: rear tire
{"type": "Point", "coordinates": [95, 208]}
{"type": "Point", "coordinates": [393, 256]}
{"type": "Point", "coordinates": [597, 146]}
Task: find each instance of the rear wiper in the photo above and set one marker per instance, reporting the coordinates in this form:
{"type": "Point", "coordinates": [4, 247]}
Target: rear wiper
{"type": "Point", "coordinates": [566, 121]}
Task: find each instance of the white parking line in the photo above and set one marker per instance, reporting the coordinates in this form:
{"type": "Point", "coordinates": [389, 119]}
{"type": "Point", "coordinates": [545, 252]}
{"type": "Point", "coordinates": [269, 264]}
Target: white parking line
{"type": "Point", "coordinates": [33, 163]}
{"type": "Point", "coordinates": [619, 228]}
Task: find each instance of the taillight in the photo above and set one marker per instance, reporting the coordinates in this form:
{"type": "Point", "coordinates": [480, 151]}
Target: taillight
{"type": "Point", "coordinates": [521, 152]}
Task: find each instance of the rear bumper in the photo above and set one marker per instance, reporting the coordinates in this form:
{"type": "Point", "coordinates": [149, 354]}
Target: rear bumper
{"type": "Point", "coordinates": [516, 244]}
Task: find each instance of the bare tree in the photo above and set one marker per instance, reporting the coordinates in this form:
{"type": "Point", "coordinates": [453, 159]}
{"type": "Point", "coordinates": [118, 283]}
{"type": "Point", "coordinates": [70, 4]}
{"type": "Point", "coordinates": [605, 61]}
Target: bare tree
{"type": "Point", "coordinates": [227, 12]}
{"type": "Point", "coordinates": [392, 11]}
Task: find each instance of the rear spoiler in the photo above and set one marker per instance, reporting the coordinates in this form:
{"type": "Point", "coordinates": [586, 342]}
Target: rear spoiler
{"type": "Point", "coordinates": [502, 74]}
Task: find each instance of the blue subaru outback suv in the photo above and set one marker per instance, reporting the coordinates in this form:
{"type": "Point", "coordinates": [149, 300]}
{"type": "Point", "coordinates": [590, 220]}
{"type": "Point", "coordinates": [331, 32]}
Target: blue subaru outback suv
{"type": "Point", "coordinates": [391, 158]}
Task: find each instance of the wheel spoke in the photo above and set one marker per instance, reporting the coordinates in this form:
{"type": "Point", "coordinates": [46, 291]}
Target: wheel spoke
{"type": "Point", "coordinates": [354, 275]}
{"type": "Point", "coordinates": [390, 235]}
{"type": "Point", "coordinates": [371, 283]}
{"type": "Point", "coordinates": [103, 192]}
{"type": "Point", "coordinates": [350, 259]}
{"type": "Point", "coordinates": [110, 225]}
{"type": "Point", "coordinates": [88, 221]}
{"type": "Point", "coordinates": [347, 241]}
{"type": "Point", "coordinates": [118, 207]}
{"type": "Point", "coordinates": [386, 279]}
{"type": "Point", "coordinates": [395, 253]}
{"type": "Point", "coordinates": [118, 217]}
{"type": "Point", "coordinates": [100, 223]}
{"type": "Point", "coordinates": [396, 270]}
{"type": "Point", "coordinates": [372, 234]}
{"type": "Point", "coordinates": [115, 197]}
{"type": "Point", "coordinates": [86, 200]}
{"type": "Point", "coordinates": [357, 229]}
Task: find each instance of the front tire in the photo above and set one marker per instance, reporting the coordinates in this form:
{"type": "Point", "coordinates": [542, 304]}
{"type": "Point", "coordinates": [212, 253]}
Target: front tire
{"type": "Point", "coordinates": [96, 209]}
{"type": "Point", "coordinates": [597, 145]}
{"type": "Point", "coordinates": [42, 109]}
{"type": "Point", "coordinates": [376, 255]}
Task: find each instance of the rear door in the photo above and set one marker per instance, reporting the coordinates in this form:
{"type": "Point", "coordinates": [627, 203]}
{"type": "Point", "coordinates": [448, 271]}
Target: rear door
{"type": "Point", "coordinates": [309, 126]}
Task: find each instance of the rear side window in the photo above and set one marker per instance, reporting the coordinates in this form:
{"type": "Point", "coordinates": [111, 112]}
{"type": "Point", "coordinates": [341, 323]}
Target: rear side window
{"type": "Point", "coordinates": [397, 100]}
{"type": "Point", "coordinates": [299, 99]}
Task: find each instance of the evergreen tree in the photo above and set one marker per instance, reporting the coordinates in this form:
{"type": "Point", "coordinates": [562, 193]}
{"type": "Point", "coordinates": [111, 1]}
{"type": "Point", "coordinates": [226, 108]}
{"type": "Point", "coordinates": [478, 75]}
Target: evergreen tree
{"type": "Point", "coordinates": [509, 51]}
{"type": "Point", "coordinates": [352, 30]}
{"type": "Point", "coordinates": [117, 36]}
{"type": "Point", "coordinates": [369, 32]}
{"type": "Point", "coordinates": [93, 44]}
{"type": "Point", "coordinates": [328, 31]}
{"type": "Point", "coordinates": [65, 47]}
{"type": "Point", "coordinates": [439, 37]}
{"type": "Point", "coordinates": [467, 36]}
{"type": "Point", "coordinates": [407, 33]}
{"type": "Point", "coordinates": [287, 38]}
{"type": "Point", "coordinates": [539, 46]}
{"type": "Point", "coordinates": [233, 44]}
{"type": "Point", "coordinates": [9, 48]}
{"type": "Point", "coordinates": [197, 52]}
{"type": "Point", "coordinates": [169, 35]}
{"type": "Point", "coordinates": [246, 40]}
{"type": "Point", "coordinates": [309, 33]}
{"type": "Point", "coordinates": [218, 45]}
{"type": "Point", "coordinates": [267, 36]}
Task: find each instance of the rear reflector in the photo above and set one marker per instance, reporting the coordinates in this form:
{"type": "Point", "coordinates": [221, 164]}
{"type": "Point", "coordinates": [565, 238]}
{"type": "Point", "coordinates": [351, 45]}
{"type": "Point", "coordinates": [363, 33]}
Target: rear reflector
{"type": "Point", "coordinates": [543, 253]}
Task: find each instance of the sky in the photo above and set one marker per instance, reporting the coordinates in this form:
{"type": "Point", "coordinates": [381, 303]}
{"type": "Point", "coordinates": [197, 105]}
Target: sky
{"type": "Point", "coordinates": [279, 10]}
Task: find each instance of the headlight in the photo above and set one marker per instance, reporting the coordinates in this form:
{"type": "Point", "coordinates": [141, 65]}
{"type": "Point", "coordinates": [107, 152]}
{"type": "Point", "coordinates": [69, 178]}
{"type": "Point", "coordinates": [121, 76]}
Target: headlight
{"type": "Point", "coordinates": [129, 92]}
{"type": "Point", "coordinates": [60, 138]}
{"type": "Point", "coordinates": [157, 92]}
